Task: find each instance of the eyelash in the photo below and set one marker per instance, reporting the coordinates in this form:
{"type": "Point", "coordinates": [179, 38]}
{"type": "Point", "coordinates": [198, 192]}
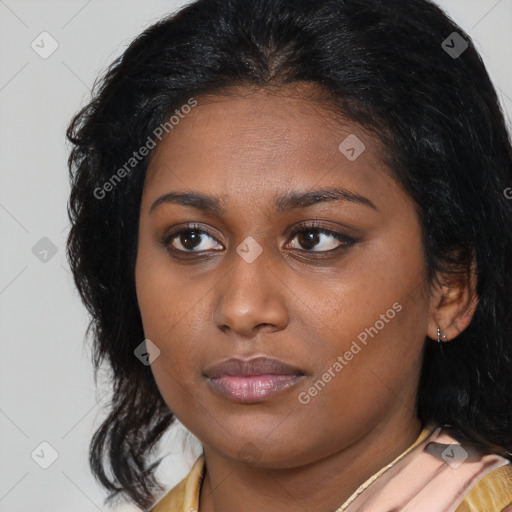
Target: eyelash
{"type": "Point", "coordinates": [313, 226]}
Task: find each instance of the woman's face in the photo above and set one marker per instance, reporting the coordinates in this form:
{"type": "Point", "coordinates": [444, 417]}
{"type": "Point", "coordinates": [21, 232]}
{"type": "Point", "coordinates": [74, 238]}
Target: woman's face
{"type": "Point", "coordinates": [343, 303]}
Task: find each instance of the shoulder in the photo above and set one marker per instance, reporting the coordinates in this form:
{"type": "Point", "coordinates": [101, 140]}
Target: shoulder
{"type": "Point", "coordinates": [184, 497]}
{"type": "Point", "coordinates": [174, 500]}
{"type": "Point", "coordinates": [492, 493]}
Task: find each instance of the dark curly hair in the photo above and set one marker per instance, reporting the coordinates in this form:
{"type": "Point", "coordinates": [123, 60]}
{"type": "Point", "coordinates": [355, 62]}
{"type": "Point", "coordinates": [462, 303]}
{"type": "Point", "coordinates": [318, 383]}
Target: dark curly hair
{"type": "Point", "coordinates": [382, 64]}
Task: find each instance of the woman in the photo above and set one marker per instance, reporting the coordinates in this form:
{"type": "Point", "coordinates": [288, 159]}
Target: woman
{"type": "Point", "coordinates": [291, 229]}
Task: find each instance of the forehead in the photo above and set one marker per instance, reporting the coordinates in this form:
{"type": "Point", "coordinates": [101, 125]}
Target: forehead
{"type": "Point", "coordinates": [261, 142]}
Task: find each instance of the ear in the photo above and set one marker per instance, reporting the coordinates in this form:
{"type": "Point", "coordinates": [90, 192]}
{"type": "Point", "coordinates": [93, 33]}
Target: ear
{"type": "Point", "coordinates": [453, 303]}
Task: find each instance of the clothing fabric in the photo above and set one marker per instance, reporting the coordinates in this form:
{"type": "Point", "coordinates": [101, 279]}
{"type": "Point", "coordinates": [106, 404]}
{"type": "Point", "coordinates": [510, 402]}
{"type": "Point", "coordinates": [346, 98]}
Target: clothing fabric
{"type": "Point", "coordinates": [435, 474]}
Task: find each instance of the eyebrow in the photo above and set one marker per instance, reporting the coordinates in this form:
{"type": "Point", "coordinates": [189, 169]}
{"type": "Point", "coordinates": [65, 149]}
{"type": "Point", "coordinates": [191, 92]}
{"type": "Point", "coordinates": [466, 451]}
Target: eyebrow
{"type": "Point", "coordinates": [281, 204]}
{"type": "Point", "coordinates": [294, 200]}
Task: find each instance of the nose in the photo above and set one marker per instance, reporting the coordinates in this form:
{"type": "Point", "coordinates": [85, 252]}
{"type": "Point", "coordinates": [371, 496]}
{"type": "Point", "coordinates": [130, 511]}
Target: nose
{"type": "Point", "coordinates": [251, 297]}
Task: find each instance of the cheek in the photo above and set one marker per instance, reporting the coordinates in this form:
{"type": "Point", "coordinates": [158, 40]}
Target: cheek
{"type": "Point", "coordinates": [162, 298]}
{"type": "Point", "coordinates": [167, 313]}
{"type": "Point", "coordinates": [168, 320]}
{"type": "Point", "coordinates": [376, 292]}
{"type": "Point", "coordinates": [357, 382]}
{"type": "Point", "coordinates": [374, 317]}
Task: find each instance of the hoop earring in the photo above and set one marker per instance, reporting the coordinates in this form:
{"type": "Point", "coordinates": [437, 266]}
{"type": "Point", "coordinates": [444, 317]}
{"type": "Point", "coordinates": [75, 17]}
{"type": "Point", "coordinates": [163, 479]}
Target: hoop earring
{"type": "Point", "coordinates": [441, 337]}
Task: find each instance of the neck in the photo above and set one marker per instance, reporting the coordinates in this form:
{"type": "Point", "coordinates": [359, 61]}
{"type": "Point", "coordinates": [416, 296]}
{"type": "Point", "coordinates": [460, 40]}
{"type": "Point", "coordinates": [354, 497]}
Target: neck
{"type": "Point", "coordinates": [322, 485]}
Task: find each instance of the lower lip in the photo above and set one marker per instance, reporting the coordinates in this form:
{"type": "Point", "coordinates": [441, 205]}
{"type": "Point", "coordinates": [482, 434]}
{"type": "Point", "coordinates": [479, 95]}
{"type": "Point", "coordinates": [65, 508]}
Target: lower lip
{"type": "Point", "coordinates": [255, 388]}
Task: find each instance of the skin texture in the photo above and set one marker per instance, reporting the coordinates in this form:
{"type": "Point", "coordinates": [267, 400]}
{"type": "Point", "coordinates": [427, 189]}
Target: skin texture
{"type": "Point", "coordinates": [248, 148]}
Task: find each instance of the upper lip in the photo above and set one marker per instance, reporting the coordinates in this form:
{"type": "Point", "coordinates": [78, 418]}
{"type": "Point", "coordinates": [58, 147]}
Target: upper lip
{"type": "Point", "coordinates": [260, 365]}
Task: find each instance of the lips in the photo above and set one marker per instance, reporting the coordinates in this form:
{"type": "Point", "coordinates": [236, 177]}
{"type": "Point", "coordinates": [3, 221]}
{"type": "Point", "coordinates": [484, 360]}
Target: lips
{"type": "Point", "coordinates": [252, 380]}
{"type": "Point", "coordinates": [250, 367]}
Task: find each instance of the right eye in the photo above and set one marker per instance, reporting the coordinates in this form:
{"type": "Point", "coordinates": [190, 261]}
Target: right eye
{"type": "Point", "coordinates": [191, 239]}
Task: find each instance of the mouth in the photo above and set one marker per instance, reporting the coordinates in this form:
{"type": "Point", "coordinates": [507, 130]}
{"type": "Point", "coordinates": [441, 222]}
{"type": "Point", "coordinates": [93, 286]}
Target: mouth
{"type": "Point", "coordinates": [252, 380]}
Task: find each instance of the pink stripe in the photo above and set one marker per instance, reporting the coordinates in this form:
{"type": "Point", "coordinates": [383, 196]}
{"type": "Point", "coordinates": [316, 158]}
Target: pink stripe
{"type": "Point", "coordinates": [425, 482]}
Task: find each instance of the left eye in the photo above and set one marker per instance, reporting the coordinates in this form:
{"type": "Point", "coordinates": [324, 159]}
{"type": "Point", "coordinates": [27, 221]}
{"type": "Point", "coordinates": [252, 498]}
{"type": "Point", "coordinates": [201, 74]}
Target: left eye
{"type": "Point", "coordinates": [324, 240]}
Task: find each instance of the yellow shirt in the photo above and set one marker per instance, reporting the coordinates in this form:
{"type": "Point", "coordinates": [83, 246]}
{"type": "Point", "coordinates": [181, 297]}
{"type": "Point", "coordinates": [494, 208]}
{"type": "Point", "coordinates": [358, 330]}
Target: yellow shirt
{"type": "Point", "coordinates": [491, 493]}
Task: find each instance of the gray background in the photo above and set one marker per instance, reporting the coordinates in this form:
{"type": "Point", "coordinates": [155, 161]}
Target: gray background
{"type": "Point", "coordinates": [47, 393]}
